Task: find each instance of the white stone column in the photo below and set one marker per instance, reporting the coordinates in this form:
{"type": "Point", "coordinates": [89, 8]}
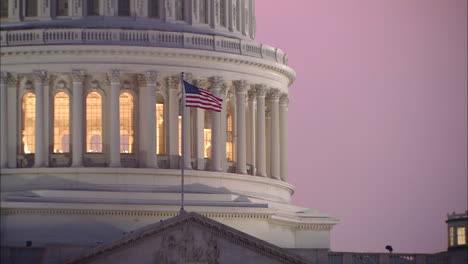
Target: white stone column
{"type": "Point", "coordinates": [39, 157]}
{"type": "Point", "coordinates": [260, 157]}
{"type": "Point", "coordinates": [283, 104]}
{"type": "Point", "coordinates": [13, 135]}
{"type": "Point", "coordinates": [14, 10]}
{"type": "Point", "coordinates": [186, 141]}
{"type": "Point", "coordinates": [198, 133]}
{"type": "Point", "coordinates": [173, 121]}
{"type": "Point", "coordinates": [114, 118]}
{"type": "Point", "coordinates": [77, 118]}
{"type": "Point", "coordinates": [241, 91]}
{"type": "Point", "coordinates": [3, 119]}
{"type": "Point", "coordinates": [225, 94]}
{"type": "Point", "coordinates": [251, 131]}
{"type": "Point", "coordinates": [147, 128]}
{"type": "Point", "coordinates": [275, 137]}
{"type": "Point", "coordinates": [216, 129]}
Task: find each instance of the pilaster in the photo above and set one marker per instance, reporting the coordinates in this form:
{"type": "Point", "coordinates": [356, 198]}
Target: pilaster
{"type": "Point", "coordinates": [241, 91]}
{"type": "Point", "coordinates": [77, 118]}
{"type": "Point", "coordinates": [114, 118]}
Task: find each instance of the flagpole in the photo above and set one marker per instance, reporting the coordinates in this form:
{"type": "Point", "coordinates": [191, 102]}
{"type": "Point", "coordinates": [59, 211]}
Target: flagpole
{"type": "Point", "coordinates": [182, 161]}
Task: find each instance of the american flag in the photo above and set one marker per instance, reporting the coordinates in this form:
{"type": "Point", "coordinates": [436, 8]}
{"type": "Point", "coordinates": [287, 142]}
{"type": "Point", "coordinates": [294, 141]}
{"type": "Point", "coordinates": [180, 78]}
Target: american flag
{"type": "Point", "coordinates": [197, 97]}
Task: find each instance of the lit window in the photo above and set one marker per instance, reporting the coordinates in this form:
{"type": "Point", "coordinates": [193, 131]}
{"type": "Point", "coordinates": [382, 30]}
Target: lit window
{"type": "Point", "coordinates": [179, 8]}
{"type": "Point", "coordinates": [229, 133]}
{"type": "Point", "coordinates": [461, 236]}
{"type": "Point", "coordinates": [30, 8]}
{"type": "Point", "coordinates": [3, 8]}
{"type": "Point", "coordinates": [28, 123]}
{"type": "Point", "coordinates": [61, 123]}
{"type": "Point", "coordinates": [124, 8]}
{"type": "Point", "coordinates": [160, 147]}
{"type": "Point", "coordinates": [153, 8]}
{"type": "Point", "coordinates": [126, 122]}
{"type": "Point", "coordinates": [61, 7]}
{"type": "Point", "coordinates": [92, 7]}
{"type": "Point", "coordinates": [207, 135]}
{"type": "Point", "coordinates": [93, 122]}
{"type": "Point", "coordinates": [451, 236]}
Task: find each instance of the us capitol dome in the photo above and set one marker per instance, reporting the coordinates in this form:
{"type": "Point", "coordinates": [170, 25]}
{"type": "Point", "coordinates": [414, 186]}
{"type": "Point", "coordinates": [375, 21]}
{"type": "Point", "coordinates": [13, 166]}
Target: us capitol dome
{"type": "Point", "coordinates": [91, 122]}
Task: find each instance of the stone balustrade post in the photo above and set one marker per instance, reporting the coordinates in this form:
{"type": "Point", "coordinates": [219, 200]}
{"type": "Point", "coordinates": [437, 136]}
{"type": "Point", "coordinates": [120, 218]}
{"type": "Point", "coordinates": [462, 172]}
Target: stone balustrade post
{"type": "Point", "coordinates": [216, 137]}
{"type": "Point", "coordinates": [114, 116]}
{"type": "Point", "coordinates": [77, 118]}
{"type": "Point", "coordinates": [3, 119]}
{"type": "Point", "coordinates": [40, 77]}
{"type": "Point", "coordinates": [283, 104]}
{"type": "Point", "coordinates": [241, 91]}
{"type": "Point", "coordinates": [275, 137]}
{"type": "Point", "coordinates": [260, 150]}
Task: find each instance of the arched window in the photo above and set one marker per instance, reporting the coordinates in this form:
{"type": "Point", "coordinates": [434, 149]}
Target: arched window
{"type": "Point", "coordinates": [30, 8]}
{"type": "Point", "coordinates": [160, 126]}
{"type": "Point", "coordinates": [124, 8]}
{"type": "Point", "coordinates": [61, 123]}
{"type": "Point", "coordinates": [127, 129]}
{"type": "Point", "coordinates": [3, 8]}
{"type": "Point", "coordinates": [93, 122]}
{"type": "Point", "coordinates": [230, 132]}
{"type": "Point", "coordinates": [28, 123]}
{"type": "Point", "coordinates": [179, 9]}
{"type": "Point", "coordinates": [92, 7]}
{"type": "Point", "coordinates": [61, 7]}
{"type": "Point", "coordinates": [153, 8]}
{"type": "Point", "coordinates": [207, 135]}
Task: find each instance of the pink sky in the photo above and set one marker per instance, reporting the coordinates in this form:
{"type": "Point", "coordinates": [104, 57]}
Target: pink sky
{"type": "Point", "coordinates": [377, 115]}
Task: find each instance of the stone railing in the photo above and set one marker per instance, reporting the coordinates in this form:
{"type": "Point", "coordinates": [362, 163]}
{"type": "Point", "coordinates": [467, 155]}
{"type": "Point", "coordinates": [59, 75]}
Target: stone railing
{"type": "Point", "coordinates": [147, 38]}
{"type": "Point", "coordinates": [384, 258]}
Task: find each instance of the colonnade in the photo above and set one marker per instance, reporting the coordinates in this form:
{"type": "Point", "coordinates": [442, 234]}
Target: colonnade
{"type": "Point", "coordinates": [252, 102]}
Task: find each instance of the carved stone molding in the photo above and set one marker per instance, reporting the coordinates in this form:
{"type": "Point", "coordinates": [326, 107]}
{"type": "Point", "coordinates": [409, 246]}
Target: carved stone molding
{"type": "Point", "coordinates": [274, 95]}
{"type": "Point", "coordinates": [188, 77]}
{"type": "Point", "coordinates": [284, 99]}
{"type": "Point", "coordinates": [4, 76]}
{"type": "Point", "coordinates": [173, 82]}
{"type": "Point", "coordinates": [113, 76]}
{"type": "Point", "coordinates": [151, 77]}
{"type": "Point", "coordinates": [240, 86]}
{"type": "Point", "coordinates": [40, 75]}
{"type": "Point", "coordinates": [202, 83]}
{"type": "Point", "coordinates": [260, 90]}
{"type": "Point", "coordinates": [78, 76]}
{"type": "Point", "coordinates": [216, 82]}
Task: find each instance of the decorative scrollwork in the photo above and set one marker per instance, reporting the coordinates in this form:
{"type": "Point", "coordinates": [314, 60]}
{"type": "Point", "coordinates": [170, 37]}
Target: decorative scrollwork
{"type": "Point", "coordinates": [240, 86]}
{"type": "Point", "coordinates": [40, 75]}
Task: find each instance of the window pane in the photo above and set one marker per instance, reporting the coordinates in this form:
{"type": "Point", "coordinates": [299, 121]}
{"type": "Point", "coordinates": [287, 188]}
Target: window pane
{"type": "Point", "coordinates": [93, 122]}
{"type": "Point", "coordinates": [124, 8]}
{"type": "Point", "coordinates": [29, 120]}
{"type": "Point", "coordinates": [461, 236]}
{"type": "Point", "coordinates": [31, 8]}
{"type": "Point", "coordinates": [3, 8]}
{"type": "Point", "coordinates": [160, 148]}
{"type": "Point", "coordinates": [207, 135]}
{"type": "Point", "coordinates": [61, 123]}
{"type": "Point", "coordinates": [92, 7]}
{"type": "Point", "coordinates": [126, 122]}
{"type": "Point", "coordinates": [153, 8]}
{"type": "Point", "coordinates": [229, 133]}
{"type": "Point", "coordinates": [61, 7]}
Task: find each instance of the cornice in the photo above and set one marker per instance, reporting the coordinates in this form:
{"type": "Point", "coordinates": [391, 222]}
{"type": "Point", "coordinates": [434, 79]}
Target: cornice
{"type": "Point", "coordinates": [156, 53]}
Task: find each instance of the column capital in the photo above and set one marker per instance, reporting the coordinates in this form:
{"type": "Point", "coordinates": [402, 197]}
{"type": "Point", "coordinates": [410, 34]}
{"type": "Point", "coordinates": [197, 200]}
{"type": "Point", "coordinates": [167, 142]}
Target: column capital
{"type": "Point", "coordinates": [173, 82]}
{"type": "Point", "coordinates": [114, 76]}
{"type": "Point", "coordinates": [40, 75]}
{"type": "Point", "coordinates": [274, 95]}
{"type": "Point", "coordinates": [78, 75]}
{"type": "Point", "coordinates": [216, 82]}
{"type": "Point", "coordinates": [284, 99]}
{"type": "Point", "coordinates": [252, 94]}
{"type": "Point", "coordinates": [4, 77]}
{"type": "Point", "coordinates": [148, 78]}
{"type": "Point", "coordinates": [201, 83]}
{"type": "Point", "coordinates": [188, 77]}
{"type": "Point", "coordinates": [260, 90]}
{"type": "Point", "coordinates": [240, 86]}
